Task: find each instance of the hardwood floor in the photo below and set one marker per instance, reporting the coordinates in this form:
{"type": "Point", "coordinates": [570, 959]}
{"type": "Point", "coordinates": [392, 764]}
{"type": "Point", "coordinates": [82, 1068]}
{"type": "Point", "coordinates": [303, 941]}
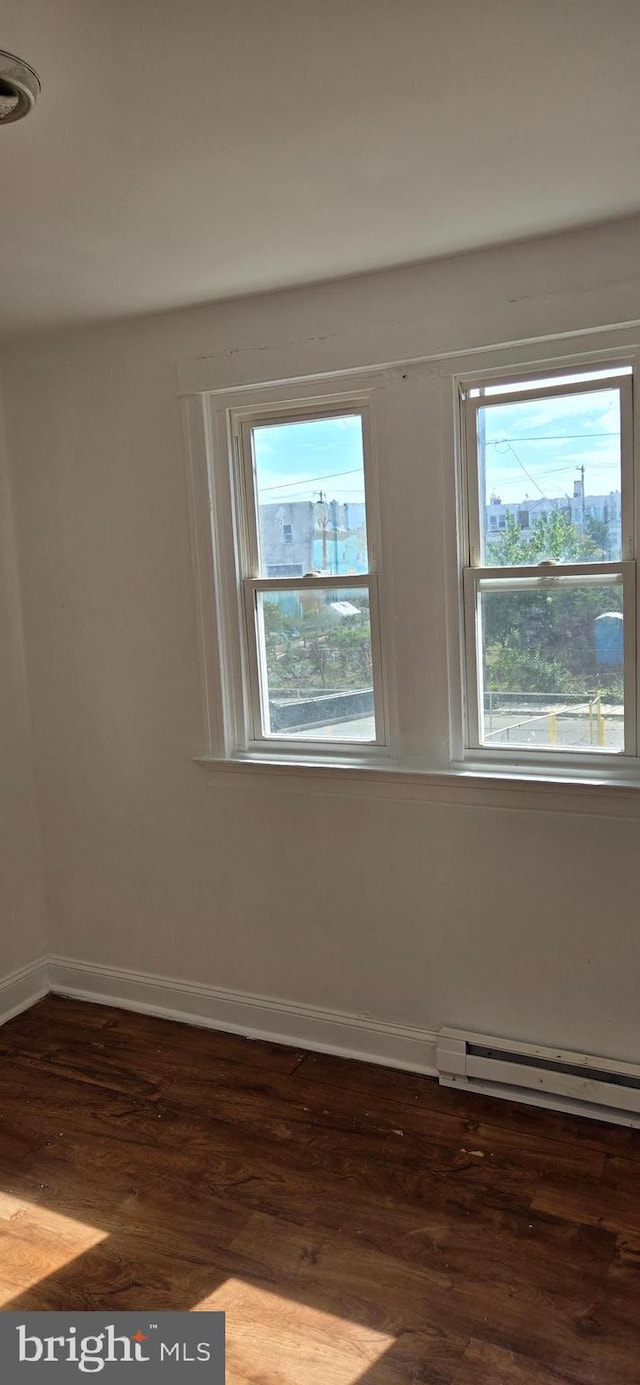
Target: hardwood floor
{"type": "Point", "coordinates": [356, 1224]}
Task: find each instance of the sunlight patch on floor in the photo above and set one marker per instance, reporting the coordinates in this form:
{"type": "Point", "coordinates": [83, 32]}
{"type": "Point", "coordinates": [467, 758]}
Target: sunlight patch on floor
{"type": "Point", "coordinates": [34, 1239]}
{"type": "Point", "coordinates": [270, 1337]}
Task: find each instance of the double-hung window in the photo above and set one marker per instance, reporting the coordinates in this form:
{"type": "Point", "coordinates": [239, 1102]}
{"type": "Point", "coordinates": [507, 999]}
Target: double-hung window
{"type": "Point", "coordinates": [367, 602]}
{"type": "Point", "coordinates": [549, 565]}
{"type": "Point", "coordinates": [306, 578]}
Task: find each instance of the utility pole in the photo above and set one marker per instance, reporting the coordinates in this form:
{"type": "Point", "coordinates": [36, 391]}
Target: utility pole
{"type": "Point", "coordinates": [334, 507]}
{"type": "Point", "coordinates": [323, 525]}
{"type": "Point", "coordinates": [581, 470]}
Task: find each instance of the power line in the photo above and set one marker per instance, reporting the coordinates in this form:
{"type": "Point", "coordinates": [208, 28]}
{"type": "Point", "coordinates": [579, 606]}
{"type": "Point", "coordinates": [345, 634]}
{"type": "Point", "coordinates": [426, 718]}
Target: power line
{"type": "Point", "coordinates": [555, 470]}
{"type": "Point", "coordinates": [309, 480]}
{"type": "Point", "coordinates": [528, 474]}
{"type": "Point", "coordinates": [551, 437]}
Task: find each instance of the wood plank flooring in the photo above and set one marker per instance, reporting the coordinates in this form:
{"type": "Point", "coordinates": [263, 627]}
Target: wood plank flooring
{"type": "Point", "coordinates": [356, 1224]}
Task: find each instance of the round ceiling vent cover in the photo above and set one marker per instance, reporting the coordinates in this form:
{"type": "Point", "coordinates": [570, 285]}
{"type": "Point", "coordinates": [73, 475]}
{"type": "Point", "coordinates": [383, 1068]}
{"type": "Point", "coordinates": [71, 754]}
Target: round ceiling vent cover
{"type": "Point", "coordinates": [19, 88]}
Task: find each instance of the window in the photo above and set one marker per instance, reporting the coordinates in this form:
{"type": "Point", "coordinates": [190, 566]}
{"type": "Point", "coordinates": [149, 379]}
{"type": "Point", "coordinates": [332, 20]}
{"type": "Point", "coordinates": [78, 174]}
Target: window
{"type": "Point", "coordinates": [310, 636]}
{"type": "Point", "coordinates": [429, 565]}
{"type": "Point", "coordinates": [549, 600]}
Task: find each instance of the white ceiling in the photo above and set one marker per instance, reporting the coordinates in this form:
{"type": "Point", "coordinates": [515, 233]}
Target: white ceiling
{"type": "Point", "coordinates": [198, 149]}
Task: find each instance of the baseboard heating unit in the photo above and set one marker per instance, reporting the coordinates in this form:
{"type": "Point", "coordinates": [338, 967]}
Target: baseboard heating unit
{"type": "Point", "coordinates": [574, 1082]}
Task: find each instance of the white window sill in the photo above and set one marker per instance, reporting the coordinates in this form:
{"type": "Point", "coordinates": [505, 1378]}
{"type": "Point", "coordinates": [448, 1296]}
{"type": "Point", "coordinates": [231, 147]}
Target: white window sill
{"type": "Point", "coordinates": [609, 791]}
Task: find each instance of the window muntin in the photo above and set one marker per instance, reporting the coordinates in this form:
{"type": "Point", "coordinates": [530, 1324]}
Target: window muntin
{"type": "Point", "coordinates": [312, 641]}
{"type": "Point", "coordinates": [550, 586]}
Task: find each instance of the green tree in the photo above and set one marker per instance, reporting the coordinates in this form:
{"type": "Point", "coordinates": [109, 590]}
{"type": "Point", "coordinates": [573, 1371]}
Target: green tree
{"type": "Point", "coordinates": [315, 648]}
{"type": "Point", "coordinates": [598, 531]}
{"type": "Point", "coordinates": [552, 538]}
{"type": "Point", "coordinates": [543, 639]}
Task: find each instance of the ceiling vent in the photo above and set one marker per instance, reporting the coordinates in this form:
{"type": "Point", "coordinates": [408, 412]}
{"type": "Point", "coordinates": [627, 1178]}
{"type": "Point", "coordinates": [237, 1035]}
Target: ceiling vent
{"type": "Point", "coordinates": [19, 88]}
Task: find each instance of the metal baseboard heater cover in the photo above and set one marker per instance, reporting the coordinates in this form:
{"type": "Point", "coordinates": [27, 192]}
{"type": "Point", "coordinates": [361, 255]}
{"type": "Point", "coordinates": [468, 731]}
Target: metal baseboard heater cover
{"type": "Point", "coordinates": [600, 1088]}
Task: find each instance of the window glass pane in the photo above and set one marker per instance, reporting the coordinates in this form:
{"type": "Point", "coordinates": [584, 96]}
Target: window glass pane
{"type": "Point", "coordinates": [552, 667]}
{"type": "Point", "coordinates": [550, 479]}
{"type": "Point", "coordinates": [309, 479]}
{"type": "Point", "coordinates": [315, 648]}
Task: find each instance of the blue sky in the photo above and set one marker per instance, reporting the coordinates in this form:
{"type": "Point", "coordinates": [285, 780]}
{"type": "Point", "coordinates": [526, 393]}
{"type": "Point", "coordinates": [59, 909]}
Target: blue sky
{"type": "Point", "coordinates": [295, 461]}
{"type": "Point", "coordinates": [534, 448]}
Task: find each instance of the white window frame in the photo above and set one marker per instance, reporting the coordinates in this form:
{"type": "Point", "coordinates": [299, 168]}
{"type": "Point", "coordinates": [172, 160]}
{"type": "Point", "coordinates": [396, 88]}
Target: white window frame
{"type": "Point", "coordinates": [416, 478]}
{"type": "Point", "coordinates": [477, 577]}
{"type": "Point", "coordinates": [228, 424]}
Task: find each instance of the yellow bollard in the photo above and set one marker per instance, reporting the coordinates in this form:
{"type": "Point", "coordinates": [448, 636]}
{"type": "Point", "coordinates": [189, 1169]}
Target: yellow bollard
{"type": "Point", "coordinates": [553, 728]}
{"type": "Point", "coordinates": [601, 726]}
{"type": "Point", "coordinates": [590, 722]}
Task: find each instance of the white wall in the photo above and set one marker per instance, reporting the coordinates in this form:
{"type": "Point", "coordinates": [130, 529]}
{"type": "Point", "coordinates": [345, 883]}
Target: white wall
{"type": "Point", "coordinates": [512, 912]}
{"type": "Point", "coordinates": [22, 937]}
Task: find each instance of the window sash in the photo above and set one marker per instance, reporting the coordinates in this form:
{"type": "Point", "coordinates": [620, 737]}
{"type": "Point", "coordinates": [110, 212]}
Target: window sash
{"type": "Point", "coordinates": [255, 737]}
{"type": "Point", "coordinates": [246, 487]}
{"type": "Point", "coordinates": [474, 504]}
{"type": "Point", "coordinates": [256, 654]}
{"type": "Point", "coordinates": [565, 576]}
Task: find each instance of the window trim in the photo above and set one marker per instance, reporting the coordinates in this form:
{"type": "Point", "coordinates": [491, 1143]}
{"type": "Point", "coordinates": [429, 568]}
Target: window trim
{"type": "Point", "coordinates": [413, 764]}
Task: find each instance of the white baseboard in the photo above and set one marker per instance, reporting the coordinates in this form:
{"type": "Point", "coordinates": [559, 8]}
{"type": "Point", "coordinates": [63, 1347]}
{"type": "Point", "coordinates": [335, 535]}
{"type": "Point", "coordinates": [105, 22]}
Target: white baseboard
{"type": "Point", "coordinates": [20, 989]}
{"type": "Point", "coordinates": [257, 1017]}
